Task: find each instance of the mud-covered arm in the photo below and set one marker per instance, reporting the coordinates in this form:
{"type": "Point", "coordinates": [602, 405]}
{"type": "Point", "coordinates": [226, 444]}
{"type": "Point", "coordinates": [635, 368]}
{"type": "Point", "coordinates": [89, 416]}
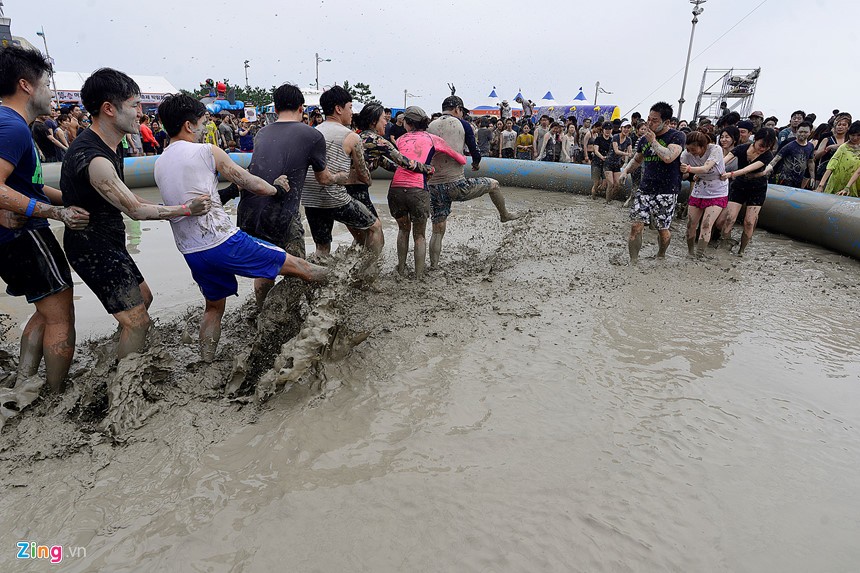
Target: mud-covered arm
{"type": "Point", "coordinates": [666, 154]}
{"type": "Point", "coordinates": [106, 181]}
{"type": "Point", "coordinates": [703, 169]}
{"type": "Point", "coordinates": [851, 182]}
{"type": "Point", "coordinates": [239, 176]}
{"type": "Point", "coordinates": [397, 159]}
{"type": "Point", "coordinates": [23, 206]}
{"type": "Point", "coordinates": [356, 152]}
{"type": "Point", "coordinates": [326, 177]}
{"type": "Point", "coordinates": [772, 165]}
{"type": "Point", "coordinates": [389, 165]}
{"type": "Point", "coordinates": [633, 164]}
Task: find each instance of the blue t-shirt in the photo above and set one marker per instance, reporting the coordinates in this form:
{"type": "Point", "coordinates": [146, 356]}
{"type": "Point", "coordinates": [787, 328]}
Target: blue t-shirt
{"type": "Point", "coordinates": [659, 177]}
{"type": "Point", "coordinates": [794, 165]}
{"type": "Point", "coordinates": [17, 147]}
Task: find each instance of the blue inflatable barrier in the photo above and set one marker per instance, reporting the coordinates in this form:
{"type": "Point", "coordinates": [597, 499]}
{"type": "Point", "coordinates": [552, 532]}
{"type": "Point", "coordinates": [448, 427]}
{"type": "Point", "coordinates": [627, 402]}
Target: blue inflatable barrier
{"type": "Point", "coordinates": [138, 170]}
{"type": "Point", "coordinates": [827, 220]}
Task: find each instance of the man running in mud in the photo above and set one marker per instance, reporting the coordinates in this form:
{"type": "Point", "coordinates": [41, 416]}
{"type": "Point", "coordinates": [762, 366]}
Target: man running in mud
{"type": "Point", "coordinates": [660, 149]}
{"type": "Point", "coordinates": [449, 183]}
{"type": "Point", "coordinates": [327, 203]}
{"type": "Point", "coordinates": [214, 248]}
{"type": "Point", "coordinates": [32, 263]}
{"type": "Point", "coordinates": [277, 219]}
{"type": "Point", "coordinates": [92, 179]}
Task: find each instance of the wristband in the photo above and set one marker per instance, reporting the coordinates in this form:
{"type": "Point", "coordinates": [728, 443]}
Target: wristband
{"type": "Point", "coordinates": [31, 206]}
{"type": "Point", "coordinates": [187, 211]}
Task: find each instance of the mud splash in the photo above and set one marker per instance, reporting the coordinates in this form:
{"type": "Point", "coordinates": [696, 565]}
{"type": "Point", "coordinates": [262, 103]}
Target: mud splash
{"type": "Point", "coordinates": [532, 406]}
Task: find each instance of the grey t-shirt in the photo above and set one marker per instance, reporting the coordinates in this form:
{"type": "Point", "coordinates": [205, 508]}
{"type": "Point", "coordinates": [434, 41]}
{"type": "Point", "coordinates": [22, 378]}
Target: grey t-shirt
{"type": "Point", "coordinates": [226, 133]}
{"type": "Point", "coordinates": [451, 130]}
{"type": "Point", "coordinates": [281, 148]}
{"type": "Point", "coordinates": [485, 137]}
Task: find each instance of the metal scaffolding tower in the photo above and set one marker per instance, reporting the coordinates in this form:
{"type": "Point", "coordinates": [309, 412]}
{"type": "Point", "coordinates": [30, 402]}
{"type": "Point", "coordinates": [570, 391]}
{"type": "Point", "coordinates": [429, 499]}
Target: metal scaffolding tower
{"type": "Point", "coordinates": [736, 87]}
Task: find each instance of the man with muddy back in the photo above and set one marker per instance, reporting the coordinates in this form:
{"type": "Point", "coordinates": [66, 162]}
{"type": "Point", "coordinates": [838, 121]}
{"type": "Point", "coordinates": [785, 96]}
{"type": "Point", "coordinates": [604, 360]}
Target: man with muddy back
{"type": "Point", "coordinates": [449, 183]}
{"type": "Point", "coordinates": [286, 147]}
{"type": "Point", "coordinates": [660, 150]}
{"type": "Point", "coordinates": [32, 263]}
{"type": "Point", "coordinates": [214, 248]}
{"type": "Point", "coordinates": [92, 179]}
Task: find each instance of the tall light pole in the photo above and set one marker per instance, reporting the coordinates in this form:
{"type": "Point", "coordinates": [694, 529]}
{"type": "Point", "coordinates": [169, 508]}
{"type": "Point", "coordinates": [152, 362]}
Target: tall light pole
{"type": "Point", "coordinates": [318, 60]}
{"type": "Point", "coordinates": [697, 10]}
{"type": "Point", "coordinates": [48, 56]}
{"type": "Point", "coordinates": [247, 86]}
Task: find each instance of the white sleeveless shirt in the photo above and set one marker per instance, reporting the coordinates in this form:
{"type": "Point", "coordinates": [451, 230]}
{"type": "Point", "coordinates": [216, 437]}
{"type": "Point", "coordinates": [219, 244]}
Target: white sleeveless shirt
{"type": "Point", "coordinates": [184, 172]}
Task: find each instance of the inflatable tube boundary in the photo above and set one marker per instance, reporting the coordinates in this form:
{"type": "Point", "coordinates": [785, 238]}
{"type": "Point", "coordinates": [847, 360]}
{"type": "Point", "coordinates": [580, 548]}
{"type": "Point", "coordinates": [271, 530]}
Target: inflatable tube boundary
{"type": "Point", "coordinates": [827, 220]}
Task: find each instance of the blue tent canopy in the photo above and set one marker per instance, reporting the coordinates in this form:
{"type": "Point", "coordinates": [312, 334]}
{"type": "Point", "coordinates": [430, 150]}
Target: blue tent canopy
{"type": "Point", "coordinates": [580, 96]}
{"type": "Point", "coordinates": [548, 96]}
{"type": "Point", "coordinates": [493, 94]}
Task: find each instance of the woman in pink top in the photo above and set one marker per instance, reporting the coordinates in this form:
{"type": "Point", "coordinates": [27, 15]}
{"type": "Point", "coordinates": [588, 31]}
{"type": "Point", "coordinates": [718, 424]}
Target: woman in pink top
{"type": "Point", "coordinates": [408, 197]}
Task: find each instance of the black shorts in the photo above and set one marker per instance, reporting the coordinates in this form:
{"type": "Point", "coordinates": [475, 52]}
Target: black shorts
{"type": "Point", "coordinates": [33, 265]}
{"type": "Point", "coordinates": [507, 153]}
{"type": "Point", "coordinates": [612, 167]}
{"type": "Point", "coordinates": [100, 258]}
{"type": "Point", "coordinates": [148, 147]}
{"type": "Point", "coordinates": [744, 196]}
{"type": "Point", "coordinates": [321, 221]}
{"type": "Point", "coordinates": [282, 229]}
{"type": "Point", "coordinates": [361, 192]}
{"type": "Point", "coordinates": [411, 201]}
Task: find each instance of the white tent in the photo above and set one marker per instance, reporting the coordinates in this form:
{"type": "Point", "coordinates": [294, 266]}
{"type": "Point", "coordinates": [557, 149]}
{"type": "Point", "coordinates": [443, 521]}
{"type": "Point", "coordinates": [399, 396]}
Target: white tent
{"type": "Point", "coordinates": [312, 99]}
{"type": "Point", "coordinates": [152, 88]}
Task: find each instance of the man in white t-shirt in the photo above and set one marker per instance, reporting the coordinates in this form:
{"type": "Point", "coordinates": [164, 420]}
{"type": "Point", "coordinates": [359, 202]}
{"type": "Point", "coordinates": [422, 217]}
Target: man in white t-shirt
{"type": "Point", "coordinates": [214, 248]}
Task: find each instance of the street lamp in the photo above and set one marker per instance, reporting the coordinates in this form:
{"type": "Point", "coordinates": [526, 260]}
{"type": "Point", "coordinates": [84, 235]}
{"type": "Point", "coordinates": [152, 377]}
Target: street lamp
{"type": "Point", "coordinates": [318, 60]}
{"type": "Point", "coordinates": [48, 56]}
{"type": "Point", "coordinates": [697, 10]}
{"type": "Point", "coordinates": [247, 86]}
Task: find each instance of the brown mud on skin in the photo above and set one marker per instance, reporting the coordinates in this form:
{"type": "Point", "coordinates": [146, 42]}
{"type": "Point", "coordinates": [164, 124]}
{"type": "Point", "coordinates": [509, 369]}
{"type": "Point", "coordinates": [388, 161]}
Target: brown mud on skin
{"type": "Point", "coordinates": [532, 405]}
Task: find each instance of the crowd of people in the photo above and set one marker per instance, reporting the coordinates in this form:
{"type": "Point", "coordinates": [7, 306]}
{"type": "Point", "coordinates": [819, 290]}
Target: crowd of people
{"type": "Point", "coordinates": [323, 163]}
{"type": "Point", "coordinates": [323, 168]}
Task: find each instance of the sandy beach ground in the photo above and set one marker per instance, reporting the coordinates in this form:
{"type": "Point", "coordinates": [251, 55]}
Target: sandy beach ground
{"type": "Point", "coordinates": [535, 405]}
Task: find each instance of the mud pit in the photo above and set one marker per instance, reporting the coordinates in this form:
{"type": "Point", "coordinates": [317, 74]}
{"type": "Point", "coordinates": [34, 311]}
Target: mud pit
{"type": "Point", "coordinates": [533, 406]}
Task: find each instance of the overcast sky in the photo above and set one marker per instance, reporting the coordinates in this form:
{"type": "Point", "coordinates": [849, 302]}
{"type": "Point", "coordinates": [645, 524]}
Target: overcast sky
{"type": "Point", "coordinates": [805, 48]}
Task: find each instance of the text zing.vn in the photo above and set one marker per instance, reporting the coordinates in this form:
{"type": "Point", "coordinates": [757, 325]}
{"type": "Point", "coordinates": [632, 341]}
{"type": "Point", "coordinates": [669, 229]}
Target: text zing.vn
{"type": "Point", "coordinates": [29, 550]}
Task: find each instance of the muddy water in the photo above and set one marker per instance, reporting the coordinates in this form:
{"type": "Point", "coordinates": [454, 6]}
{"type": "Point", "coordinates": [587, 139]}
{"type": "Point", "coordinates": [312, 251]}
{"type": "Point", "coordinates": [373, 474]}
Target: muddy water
{"type": "Point", "coordinates": [534, 406]}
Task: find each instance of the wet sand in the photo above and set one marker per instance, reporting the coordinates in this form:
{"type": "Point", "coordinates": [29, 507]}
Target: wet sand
{"type": "Point", "coordinates": [535, 405]}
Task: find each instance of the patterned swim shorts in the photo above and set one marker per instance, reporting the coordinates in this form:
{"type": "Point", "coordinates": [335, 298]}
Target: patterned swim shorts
{"type": "Point", "coordinates": [443, 194]}
{"type": "Point", "coordinates": [661, 207]}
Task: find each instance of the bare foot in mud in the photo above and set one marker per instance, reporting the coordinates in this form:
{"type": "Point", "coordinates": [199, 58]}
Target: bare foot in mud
{"type": "Point", "coordinates": [509, 217]}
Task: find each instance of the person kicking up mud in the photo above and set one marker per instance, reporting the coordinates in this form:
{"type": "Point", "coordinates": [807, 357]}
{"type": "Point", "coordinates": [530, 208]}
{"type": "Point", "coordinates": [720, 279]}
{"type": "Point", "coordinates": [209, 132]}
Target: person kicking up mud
{"type": "Point", "coordinates": [92, 179]}
{"type": "Point", "coordinates": [660, 149]}
{"type": "Point", "coordinates": [449, 183]}
{"type": "Point", "coordinates": [214, 248]}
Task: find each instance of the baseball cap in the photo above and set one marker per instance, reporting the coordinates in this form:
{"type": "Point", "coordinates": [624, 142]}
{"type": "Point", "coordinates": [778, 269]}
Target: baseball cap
{"type": "Point", "coordinates": [625, 123]}
{"type": "Point", "coordinates": [607, 125]}
{"type": "Point", "coordinates": [757, 114]}
{"type": "Point", "coordinates": [452, 102]}
{"type": "Point", "coordinates": [415, 113]}
{"type": "Point", "coordinates": [747, 125]}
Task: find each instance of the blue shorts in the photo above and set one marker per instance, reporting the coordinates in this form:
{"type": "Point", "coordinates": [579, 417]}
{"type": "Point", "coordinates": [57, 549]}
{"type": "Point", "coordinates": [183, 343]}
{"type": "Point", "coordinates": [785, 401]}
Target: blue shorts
{"type": "Point", "coordinates": [214, 270]}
